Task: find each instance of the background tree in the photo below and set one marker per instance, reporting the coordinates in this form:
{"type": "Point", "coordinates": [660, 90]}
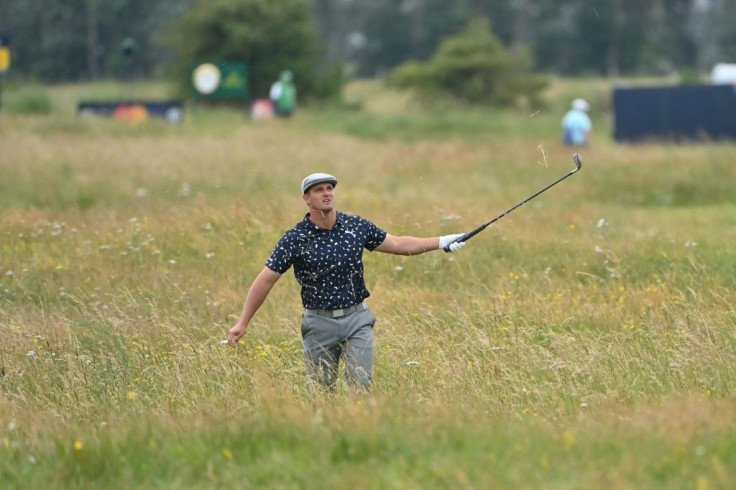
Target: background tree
{"type": "Point", "coordinates": [475, 67]}
{"type": "Point", "coordinates": [61, 40]}
{"type": "Point", "coordinates": [726, 28]}
{"type": "Point", "coordinates": [269, 36]}
{"type": "Point", "coordinates": [397, 31]}
{"type": "Point", "coordinates": [67, 40]}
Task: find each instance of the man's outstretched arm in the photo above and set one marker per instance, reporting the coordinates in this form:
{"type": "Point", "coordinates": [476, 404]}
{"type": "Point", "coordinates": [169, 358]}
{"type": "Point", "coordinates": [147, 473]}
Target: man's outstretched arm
{"type": "Point", "coordinates": [256, 296]}
{"type": "Point", "coordinates": [409, 245]}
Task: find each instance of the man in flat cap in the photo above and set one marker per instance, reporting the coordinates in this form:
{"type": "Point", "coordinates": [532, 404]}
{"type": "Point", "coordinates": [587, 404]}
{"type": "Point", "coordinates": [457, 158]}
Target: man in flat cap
{"type": "Point", "coordinates": [326, 250]}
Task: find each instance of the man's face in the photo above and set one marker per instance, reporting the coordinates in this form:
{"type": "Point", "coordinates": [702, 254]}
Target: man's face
{"type": "Point", "coordinates": [321, 197]}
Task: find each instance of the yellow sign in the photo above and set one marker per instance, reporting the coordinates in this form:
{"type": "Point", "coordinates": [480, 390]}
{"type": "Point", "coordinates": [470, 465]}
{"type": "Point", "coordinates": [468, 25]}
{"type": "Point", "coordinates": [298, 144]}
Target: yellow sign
{"type": "Point", "coordinates": [4, 59]}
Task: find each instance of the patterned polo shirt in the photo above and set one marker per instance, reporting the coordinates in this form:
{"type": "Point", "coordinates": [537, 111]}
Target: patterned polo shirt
{"type": "Point", "coordinates": [328, 264]}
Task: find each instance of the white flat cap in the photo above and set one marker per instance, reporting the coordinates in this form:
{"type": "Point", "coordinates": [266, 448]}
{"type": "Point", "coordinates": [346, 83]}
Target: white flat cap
{"type": "Point", "coordinates": [318, 178]}
{"type": "Point", "coordinates": [580, 105]}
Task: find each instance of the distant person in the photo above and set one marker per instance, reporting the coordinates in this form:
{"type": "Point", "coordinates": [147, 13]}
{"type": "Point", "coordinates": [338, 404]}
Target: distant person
{"type": "Point", "coordinates": [576, 125]}
{"type": "Point", "coordinates": [325, 250]}
{"type": "Point", "coordinates": [283, 94]}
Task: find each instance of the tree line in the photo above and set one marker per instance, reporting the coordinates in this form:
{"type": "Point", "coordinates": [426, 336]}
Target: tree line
{"type": "Point", "coordinates": [69, 40]}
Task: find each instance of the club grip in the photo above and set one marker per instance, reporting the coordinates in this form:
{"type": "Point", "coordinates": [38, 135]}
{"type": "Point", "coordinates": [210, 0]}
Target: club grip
{"type": "Point", "coordinates": [465, 237]}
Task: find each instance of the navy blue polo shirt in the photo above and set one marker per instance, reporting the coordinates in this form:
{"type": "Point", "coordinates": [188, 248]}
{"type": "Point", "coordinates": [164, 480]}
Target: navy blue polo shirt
{"type": "Point", "coordinates": [328, 264]}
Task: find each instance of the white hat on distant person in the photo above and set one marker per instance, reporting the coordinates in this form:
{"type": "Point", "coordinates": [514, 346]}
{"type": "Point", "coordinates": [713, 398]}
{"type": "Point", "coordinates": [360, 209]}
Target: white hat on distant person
{"type": "Point", "coordinates": [580, 105]}
{"type": "Point", "coordinates": [318, 178]}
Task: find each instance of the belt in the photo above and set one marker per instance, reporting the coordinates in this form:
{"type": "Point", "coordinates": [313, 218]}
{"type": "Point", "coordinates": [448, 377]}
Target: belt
{"type": "Point", "coordinates": [338, 313]}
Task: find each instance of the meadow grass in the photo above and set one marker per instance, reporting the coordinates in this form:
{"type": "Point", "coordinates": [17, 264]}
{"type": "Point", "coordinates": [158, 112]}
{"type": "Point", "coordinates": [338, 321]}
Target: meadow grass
{"type": "Point", "coordinates": [587, 340]}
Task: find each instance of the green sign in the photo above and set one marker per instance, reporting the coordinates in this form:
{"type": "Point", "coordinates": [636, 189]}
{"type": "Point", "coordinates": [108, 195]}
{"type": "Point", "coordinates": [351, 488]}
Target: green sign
{"type": "Point", "coordinates": [225, 80]}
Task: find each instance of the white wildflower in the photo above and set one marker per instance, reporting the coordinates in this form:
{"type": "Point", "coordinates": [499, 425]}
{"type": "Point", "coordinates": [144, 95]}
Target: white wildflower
{"type": "Point", "coordinates": [184, 190]}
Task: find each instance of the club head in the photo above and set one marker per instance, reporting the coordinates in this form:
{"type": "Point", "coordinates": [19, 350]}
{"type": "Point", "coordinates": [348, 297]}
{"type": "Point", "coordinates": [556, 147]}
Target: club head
{"type": "Point", "coordinates": [578, 160]}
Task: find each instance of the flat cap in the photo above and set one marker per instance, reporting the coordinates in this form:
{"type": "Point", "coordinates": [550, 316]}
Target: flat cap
{"type": "Point", "coordinates": [318, 178]}
{"type": "Point", "coordinates": [580, 105]}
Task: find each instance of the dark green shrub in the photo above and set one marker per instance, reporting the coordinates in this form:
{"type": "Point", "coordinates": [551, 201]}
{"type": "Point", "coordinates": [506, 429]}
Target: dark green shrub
{"type": "Point", "coordinates": [474, 67]}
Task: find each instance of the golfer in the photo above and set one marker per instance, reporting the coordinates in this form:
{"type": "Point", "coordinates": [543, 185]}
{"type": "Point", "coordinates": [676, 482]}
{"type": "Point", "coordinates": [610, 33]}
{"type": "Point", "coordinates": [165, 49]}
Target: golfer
{"type": "Point", "coordinates": [326, 250]}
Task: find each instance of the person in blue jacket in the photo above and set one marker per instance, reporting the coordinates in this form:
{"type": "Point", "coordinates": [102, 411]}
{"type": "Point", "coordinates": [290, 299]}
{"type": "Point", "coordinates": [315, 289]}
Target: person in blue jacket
{"type": "Point", "coordinates": [576, 125]}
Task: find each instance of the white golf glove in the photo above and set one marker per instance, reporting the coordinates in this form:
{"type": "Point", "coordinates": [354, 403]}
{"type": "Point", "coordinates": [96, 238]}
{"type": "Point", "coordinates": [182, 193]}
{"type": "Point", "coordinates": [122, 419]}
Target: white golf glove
{"type": "Point", "coordinates": [448, 239]}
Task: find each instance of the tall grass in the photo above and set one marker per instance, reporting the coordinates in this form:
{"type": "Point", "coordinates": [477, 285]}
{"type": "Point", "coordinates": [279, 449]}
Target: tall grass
{"type": "Point", "coordinates": [585, 341]}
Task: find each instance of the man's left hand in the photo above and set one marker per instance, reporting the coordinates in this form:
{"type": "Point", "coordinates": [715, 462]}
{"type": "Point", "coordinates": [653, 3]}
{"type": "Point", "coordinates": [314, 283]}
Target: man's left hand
{"type": "Point", "coordinates": [450, 240]}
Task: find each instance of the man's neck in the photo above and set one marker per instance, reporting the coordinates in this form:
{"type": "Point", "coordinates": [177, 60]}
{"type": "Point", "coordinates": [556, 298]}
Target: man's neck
{"type": "Point", "coordinates": [322, 219]}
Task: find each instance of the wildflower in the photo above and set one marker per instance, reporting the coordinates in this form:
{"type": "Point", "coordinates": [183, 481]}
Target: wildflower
{"type": "Point", "coordinates": [569, 439]}
{"type": "Point", "coordinates": [78, 445]}
{"type": "Point", "coordinates": [601, 223]}
{"type": "Point", "coordinates": [226, 452]}
{"type": "Point", "coordinates": [131, 396]}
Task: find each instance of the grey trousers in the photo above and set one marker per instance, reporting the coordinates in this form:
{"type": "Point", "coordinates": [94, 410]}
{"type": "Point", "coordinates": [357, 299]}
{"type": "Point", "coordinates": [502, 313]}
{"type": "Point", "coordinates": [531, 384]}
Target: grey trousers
{"type": "Point", "coordinates": [327, 340]}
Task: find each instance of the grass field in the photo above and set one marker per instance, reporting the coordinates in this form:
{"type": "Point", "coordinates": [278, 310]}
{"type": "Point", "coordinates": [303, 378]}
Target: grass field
{"type": "Point", "coordinates": [587, 340]}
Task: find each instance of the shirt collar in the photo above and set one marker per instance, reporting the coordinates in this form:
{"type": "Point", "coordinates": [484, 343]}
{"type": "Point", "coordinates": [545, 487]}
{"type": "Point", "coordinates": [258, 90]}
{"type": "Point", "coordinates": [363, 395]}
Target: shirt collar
{"type": "Point", "coordinates": [313, 228]}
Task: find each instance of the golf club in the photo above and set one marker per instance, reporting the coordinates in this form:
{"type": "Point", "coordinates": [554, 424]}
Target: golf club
{"type": "Point", "coordinates": [467, 236]}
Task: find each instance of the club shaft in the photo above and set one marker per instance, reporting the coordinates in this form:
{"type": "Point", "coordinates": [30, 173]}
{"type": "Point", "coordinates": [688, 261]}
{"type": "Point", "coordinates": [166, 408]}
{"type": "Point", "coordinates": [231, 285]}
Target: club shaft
{"type": "Point", "coordinates": [482, 227]}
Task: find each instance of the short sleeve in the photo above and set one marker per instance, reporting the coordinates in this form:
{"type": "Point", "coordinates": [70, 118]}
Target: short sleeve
{"type": "Point", "coordinates": [374, 236]}
{"type": "Point", "coordinates": [282, 257]}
